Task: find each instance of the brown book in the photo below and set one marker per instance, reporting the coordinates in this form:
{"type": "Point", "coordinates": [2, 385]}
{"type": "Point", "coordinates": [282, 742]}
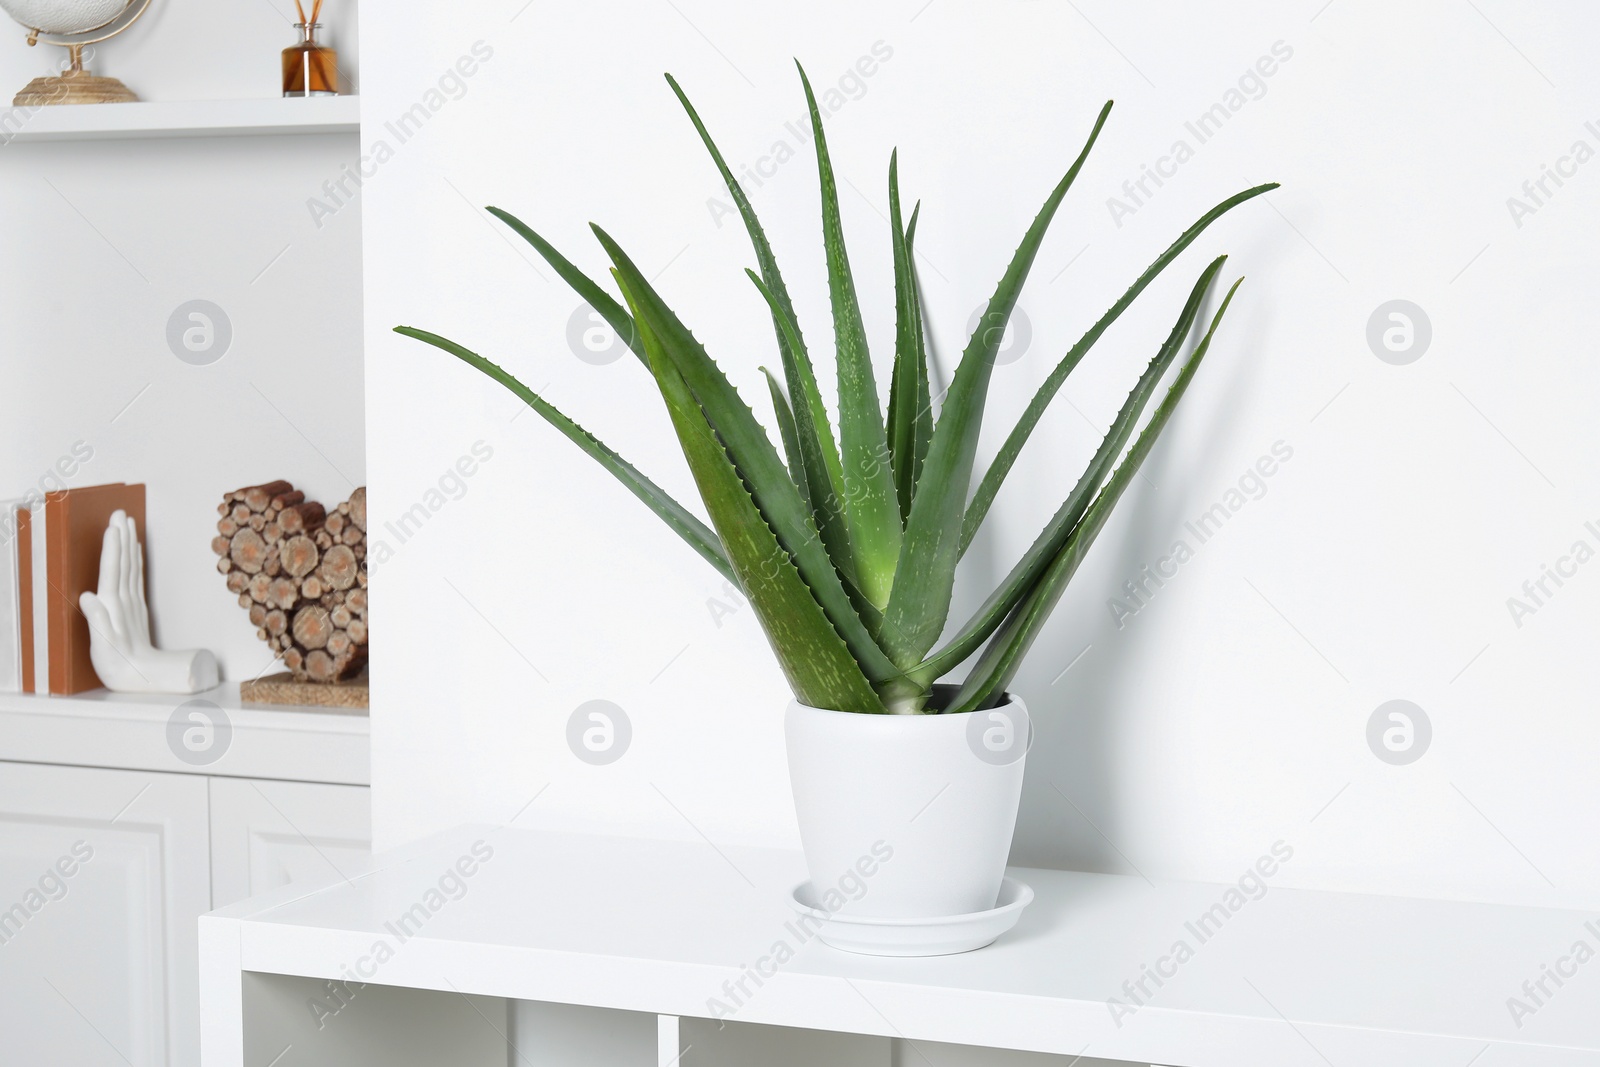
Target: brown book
{"type": "Point", "coordinates": [25, 595]}
{"type": "Point", "coordinates": [75, 526]}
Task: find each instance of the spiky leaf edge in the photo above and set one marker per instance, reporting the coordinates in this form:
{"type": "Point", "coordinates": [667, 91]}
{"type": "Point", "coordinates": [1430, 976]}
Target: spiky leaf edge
{"type": "Point", "coordinates": [998, 665]}
{"type": "Point", "coordinates": [989, 485]}
{"type": "Point", "coordinates": [1031, 567]}
{"type": "Point", "coordinates": [818, 664]}
{"type": "Point", "coordinates": [684, 523]}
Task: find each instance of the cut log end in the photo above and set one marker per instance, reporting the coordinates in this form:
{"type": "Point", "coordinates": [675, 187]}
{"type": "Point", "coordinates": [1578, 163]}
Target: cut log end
{"type": "Point", "coordinates": [339, 567]}
{"type": "Point", "coordinates": [358, 507]}
{"type": "Point", "coordinates": [247, 550]}
{"type": "Point", "coordinates": [257, 497]}
{"type": "Point", "coordinates": [283, 593]}
{"type": "Point", "coordinates": [320, 666]}
{"type": "Point", "coordinates": [299, 555]}
{"type": "Point", "coordinates": [300, 518]}
{"type": "Point", "coordinates": [312, 627]}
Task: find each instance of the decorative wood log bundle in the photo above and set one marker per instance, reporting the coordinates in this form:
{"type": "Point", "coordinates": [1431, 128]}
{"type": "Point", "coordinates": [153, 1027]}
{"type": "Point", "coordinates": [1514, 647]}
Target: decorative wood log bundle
{"type": "Point", "coordinates": [301, 573]}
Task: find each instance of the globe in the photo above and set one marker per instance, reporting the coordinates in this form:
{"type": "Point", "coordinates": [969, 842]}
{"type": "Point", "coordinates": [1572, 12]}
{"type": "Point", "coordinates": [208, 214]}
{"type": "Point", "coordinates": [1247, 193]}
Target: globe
{"type": "Point", "coordinates": [63, 16]}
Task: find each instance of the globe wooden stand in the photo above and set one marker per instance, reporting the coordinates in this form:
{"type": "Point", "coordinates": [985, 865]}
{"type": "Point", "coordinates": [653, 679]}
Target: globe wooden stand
{"type": "Point", "coordinates": [73, 87]}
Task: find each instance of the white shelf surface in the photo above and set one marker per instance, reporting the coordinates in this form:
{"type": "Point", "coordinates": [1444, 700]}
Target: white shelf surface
{"type": "Point", "coordinates": [181, 118]}
{"type": "Point", "coordinates": [131, 730]}
{"type": "Point", "coordinates": [1294, 978]}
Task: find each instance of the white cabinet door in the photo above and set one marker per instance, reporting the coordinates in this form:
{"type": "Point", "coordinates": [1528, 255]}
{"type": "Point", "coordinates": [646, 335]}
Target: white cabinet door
{"type": "Point", "coordinates": [267, 834]}
{"type": "Point", "coordinates": [103, 876]}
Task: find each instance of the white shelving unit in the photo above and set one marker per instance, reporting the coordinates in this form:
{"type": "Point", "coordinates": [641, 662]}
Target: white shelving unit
{"type": "Point", "coordinates": [1293, 978]}
{"type": "Point", "coordinates": [182, 118]}
{"type": "Point", "coordinates": [129, 731]}
{"type": "Point", "coordinates": [281, 795]}
{"type": "Point", "coordinates": [196, 194]}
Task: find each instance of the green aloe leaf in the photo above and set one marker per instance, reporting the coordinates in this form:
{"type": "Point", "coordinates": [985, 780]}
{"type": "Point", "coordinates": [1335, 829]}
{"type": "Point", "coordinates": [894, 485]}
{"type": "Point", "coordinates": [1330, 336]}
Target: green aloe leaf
{"type": "Point", "coordinates": [998, 665]}
{"type": "Point", "coordinates": [818, 664]}
{"type": "Point", "coordinates": [923, 429]}
{"type": "Point", "coordinates": [786, 430]}
{"type": "Point", "coordinates": [909, 382]}
{"type": "Point", "coordinates": [824, 473]}
{"type": "Point", "coordinates": [758, 237]}
{"type": "Point", "coordinates": [1025, 575]}
{"type": "Point", "coordinates": [978, 509]}
{"type": "Point", "coordinates": [824, 478]}
{"type": "Point", "coordinates": [615, 314]}
{"type": "Point", "coordinates": [925, 575]}
{"type": "Point", "coordinates": [757, 461]}
{"type": "Point", "coordinates": [871, 508]}
{"type": "Point", "coordinates": [684, 523]}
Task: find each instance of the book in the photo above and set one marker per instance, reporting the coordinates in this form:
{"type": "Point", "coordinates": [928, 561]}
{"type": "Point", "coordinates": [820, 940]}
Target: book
{"type": "Point", "coordinates": [73, 531]}
{"type": "Point", "coordinates": [39, 617]}
{"type": "Point", "coordinates": [25, 596]}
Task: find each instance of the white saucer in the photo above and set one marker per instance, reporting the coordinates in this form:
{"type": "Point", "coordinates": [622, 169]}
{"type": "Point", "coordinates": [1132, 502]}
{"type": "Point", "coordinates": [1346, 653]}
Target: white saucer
{"type": "Point", "coordinates": [916, 937]}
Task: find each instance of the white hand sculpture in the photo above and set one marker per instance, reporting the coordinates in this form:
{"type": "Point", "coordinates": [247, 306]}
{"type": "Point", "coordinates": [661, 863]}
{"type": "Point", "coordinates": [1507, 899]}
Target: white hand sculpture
{"type": "Point", "coordinates": [119, 625]}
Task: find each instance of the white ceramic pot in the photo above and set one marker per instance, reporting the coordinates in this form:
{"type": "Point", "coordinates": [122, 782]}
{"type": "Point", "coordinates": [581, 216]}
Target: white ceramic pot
{"type": "Point", "coordinates": [906, 816]}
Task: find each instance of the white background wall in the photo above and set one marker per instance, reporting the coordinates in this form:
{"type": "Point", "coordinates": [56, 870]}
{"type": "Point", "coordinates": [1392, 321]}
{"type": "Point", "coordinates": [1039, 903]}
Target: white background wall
{"type": "Point", "coordinates": [1232, 711]}
{"type": "Point", "coordinates": [107, 238]}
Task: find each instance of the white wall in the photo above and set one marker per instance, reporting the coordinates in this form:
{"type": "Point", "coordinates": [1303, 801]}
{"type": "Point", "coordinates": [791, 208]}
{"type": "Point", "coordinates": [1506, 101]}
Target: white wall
{"type": "Point", "coordinates": [106, 239]}
{"type": "Point", "coordinates": [1230, 712]}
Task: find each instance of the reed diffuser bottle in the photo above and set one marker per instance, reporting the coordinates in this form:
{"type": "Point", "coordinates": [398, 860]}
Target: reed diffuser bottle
{"type": "Point", "coordinates": [309, 68]}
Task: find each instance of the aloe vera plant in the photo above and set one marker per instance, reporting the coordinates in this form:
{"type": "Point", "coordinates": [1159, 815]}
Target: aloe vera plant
{"type": "Point", "coordinates": [847, 543]}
